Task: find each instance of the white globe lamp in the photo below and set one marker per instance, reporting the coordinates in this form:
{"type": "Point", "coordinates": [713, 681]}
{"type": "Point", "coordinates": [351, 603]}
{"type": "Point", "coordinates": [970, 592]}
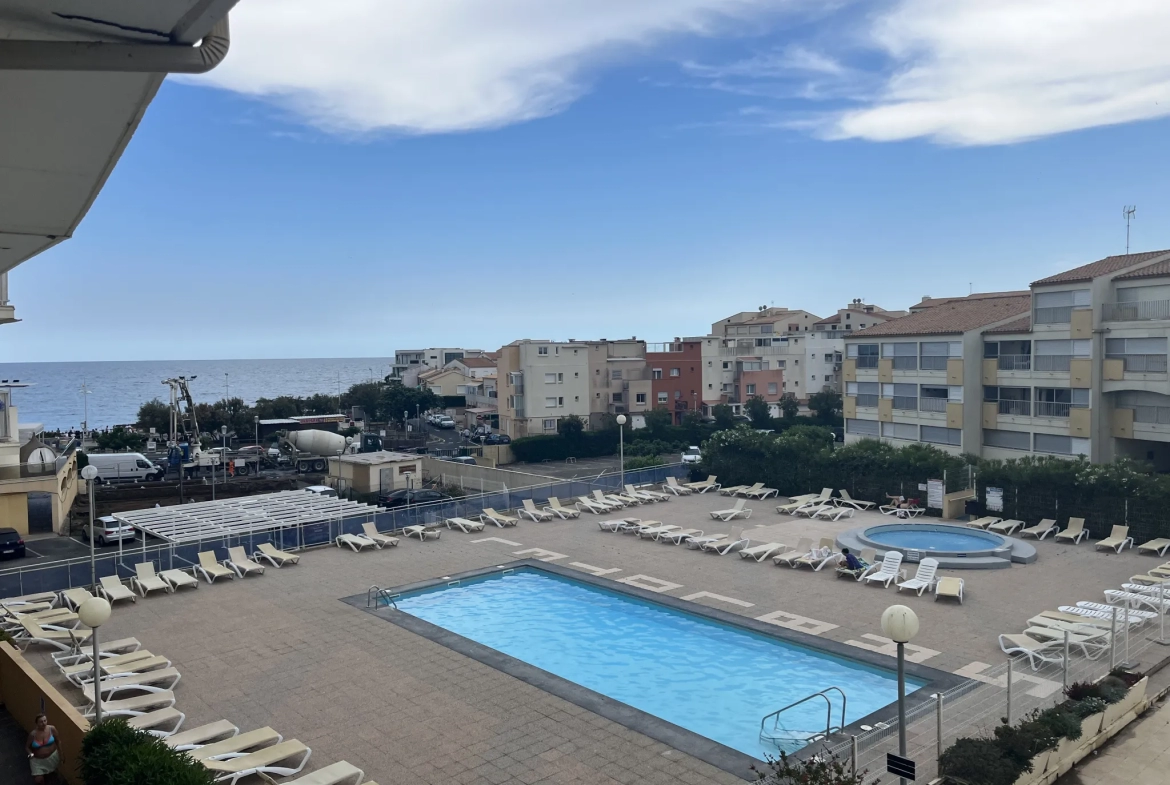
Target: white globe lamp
{"type": "Point", "coordinates": [93, 613]}
{"type": "Point", "coordinates": [900, 624]}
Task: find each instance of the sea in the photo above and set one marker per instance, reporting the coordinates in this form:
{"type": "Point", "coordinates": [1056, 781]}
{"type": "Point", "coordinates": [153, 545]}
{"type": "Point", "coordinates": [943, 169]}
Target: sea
{"type": "Point", "coordinates": [56, 399]}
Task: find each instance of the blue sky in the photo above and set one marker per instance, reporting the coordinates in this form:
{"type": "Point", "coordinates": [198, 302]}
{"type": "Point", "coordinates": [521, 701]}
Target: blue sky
{"type": "Point", "coordinates": [604, 172]}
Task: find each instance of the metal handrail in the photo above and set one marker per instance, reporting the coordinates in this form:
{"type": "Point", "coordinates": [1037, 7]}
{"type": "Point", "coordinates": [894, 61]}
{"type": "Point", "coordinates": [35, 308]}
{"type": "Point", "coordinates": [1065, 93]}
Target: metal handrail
{"type": "Point", "coordinates": [829, 728]}
{"type": "Point", "coordinates": [374, 593]}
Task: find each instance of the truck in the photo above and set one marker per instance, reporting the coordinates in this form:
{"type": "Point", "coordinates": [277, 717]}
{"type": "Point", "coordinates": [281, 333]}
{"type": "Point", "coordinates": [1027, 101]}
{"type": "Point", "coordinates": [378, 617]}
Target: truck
{"type": "Point", "coordinates": [310, 450]}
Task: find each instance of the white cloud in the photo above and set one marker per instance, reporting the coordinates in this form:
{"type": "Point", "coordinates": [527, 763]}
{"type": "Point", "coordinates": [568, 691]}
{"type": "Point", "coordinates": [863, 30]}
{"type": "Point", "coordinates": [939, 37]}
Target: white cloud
{"type": "Point", "coordinates": [427, 66]}
{"type": "Point", "coordinates": [997, 71]}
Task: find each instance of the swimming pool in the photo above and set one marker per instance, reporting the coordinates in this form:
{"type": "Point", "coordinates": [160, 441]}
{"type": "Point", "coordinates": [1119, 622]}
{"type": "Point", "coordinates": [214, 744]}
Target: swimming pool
{"type": "Point", "coordinates": [954, 547]}
{"type": "Point", "coordinates": [715, 679]}
{"type": "Point", "coordinates": [931, 539]}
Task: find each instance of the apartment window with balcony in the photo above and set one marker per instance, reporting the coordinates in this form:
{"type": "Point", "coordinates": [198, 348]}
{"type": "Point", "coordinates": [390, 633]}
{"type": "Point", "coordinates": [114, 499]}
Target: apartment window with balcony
{"type": "Point", "coordinates": [905, 396]}
{"type": "Point", "coordinates": [657, 373]}
{"type": "Point", "coordinates": [1007, 440]}
{"type": "Point", "coordinates": [771, 388]}
{"type": "Point", "coordinates": [1148, 407]}
{"type": "Point", "coordinates": [934, 435]}
{"type": "Point", "coordinates": [753, 366]}
{"type": "Point", "coordinates": [903, 355]}
{"type": "Point", "coordinates": [549, 425]}
{"type": "Point", "coordinates": [1139, 303]}
{"type": "Point", "coordinates": [866, 354]}
{"type": "Point", "coordinates": [674, 371]}
{"type": "Point", "coordinates": [898, 430]}
{"type": "Point", "coordinates": [1058, 355]}
{"type": "Point", "coordinates": [862, 427]}
{"type": "Point", "coordinates": [1140, 355]}
{"type": "Point", "coordinates": [617, 398]}
{"type": "Point", "coordinates": [542, 350]}
{"type": "Point", "coordinates": [640, 397]}
{"type": "Point", "coordinates": [933, 355]}
{"type": "Point", "coordinates": [662, 397]}
{"type": "Point", "coordinates": [865, 392]}
{"type": "Point", "coordinates": [1011, 355]}
{"type": "Point", "coordinates": [1059, 445]}
{"type": "Point", "coordinates": [1057, 307]}
{"type": "Point", "coordinates": [1057, 401]}
{"type": "Point", "coordinates": [934, 398]}
{"type": "Point", "coordinates": [751, 389]}
{"type": "Point", "coordinates": [1011, 400]}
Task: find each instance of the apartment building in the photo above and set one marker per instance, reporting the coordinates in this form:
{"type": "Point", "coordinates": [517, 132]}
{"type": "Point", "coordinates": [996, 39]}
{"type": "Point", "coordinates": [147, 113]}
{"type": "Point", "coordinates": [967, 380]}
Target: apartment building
{"type": "Point", "coordinates": [1075, 366]}
{"type": "Point", "coordinates": [676, 376]}
{"type": "Point", "coordinates": [474, 367]}
{"type": "Point", "coordinates": [408, 363]}
{"type": "Point", "coordinates": [619, 382]}
{"type": "Point", "coordinates": [445, 381]}
{"type": "Point", "coordinates": [541, 382]}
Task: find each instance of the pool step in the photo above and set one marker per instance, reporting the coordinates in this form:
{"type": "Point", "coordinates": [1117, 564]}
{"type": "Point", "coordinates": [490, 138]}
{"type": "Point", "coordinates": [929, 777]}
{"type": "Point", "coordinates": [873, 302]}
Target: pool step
{"type": "Point", "coordinates": [913, 556]}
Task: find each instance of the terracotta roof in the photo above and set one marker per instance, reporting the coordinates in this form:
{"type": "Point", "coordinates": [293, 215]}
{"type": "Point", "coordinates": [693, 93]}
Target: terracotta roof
{"type": "Point", "coordinates": [931, 302]}
{"type": "Point", "coordinates": [1021, 325]}
{"type": "Point", "coordinates": [477, 362]}
{"type": "Point", "coordinates": [1110, 264]}
{"type": "Point", "coordinates": [1156, 269]}
{"type": "Point", "coordinates": [834, 319]}
{"type": "Point", "coordinates": [955, 316]}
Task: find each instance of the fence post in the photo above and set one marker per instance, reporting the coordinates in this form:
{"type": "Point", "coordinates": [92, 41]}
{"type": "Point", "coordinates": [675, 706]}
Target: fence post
{"type": "Point", "coordinates": [1009, 691]}
{"type": "Point", "coordinates": [1064, 663]}
{"type": "Point", "coordinates": [853, 755]}
{"type": "Point", "coordinates": [1113, 639]}
{"type": "Point", "coordinates": [1162, 615]}
{"type": "Point", "coordinates": [939, 723]}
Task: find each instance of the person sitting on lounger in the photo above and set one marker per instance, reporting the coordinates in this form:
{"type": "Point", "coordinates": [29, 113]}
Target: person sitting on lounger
{"type": "Point", "coordinates": [852, 562]}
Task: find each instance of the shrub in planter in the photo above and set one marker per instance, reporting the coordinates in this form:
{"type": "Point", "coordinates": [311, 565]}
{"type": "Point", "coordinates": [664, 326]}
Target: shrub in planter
{"type": "Point", "coordinates": [1088, 706]}
{"type": "Point", "coordinates": [1020, 743]}
{"type": "Point", "coordinates": [1080, 690]}
{"type": "Point", "coordinates": [814, 771]}
{"type": "Point", "coordinates": [113, 753]}
{"type": "Point", "coordinates": [978, 762]}
{"type": "Point", "coordinates": [1060, 723]}
{"type": "Point", "coordinates": [1123, 675]}
{"type": "Point", "coordinates": [1113, 689]}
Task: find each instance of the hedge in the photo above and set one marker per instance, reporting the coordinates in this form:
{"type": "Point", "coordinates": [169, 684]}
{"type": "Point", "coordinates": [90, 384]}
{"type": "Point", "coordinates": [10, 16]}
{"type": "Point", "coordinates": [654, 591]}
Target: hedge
{"type": "Point", "coordinates": [113, 753]}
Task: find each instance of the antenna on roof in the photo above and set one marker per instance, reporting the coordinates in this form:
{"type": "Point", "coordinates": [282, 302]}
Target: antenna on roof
{"type": "Point", "coordinates": [1128, 213]}
{"type": "Point", "coordinates": [970, 288]}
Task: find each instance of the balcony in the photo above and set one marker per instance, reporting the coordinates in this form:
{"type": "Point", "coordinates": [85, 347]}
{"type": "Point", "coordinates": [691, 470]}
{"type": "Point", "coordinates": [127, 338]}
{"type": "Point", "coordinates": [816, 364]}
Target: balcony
{"type": "Point", "coordinates": [932, 363]}
{"type": "Point", "coordinates": [1145, 311]}
{"type": "Point", "coordinates": [932, 404]}
{"type": "Point", "coordinates": [869, 361]}
{"type": "Point", "coordinates": [1015, 362]}
{"type": "Point", "coordinates": [1019, 408]}
{"type": "Point", "coordinates": [1053, 362]}
{"type": "Point", "coordinates": [1052, 409]}
{"type": "Point", "coordinates": [906, 363]}
{"type": "Point", "coordinates": [1152, 415]}
{"type": "Point", "coordinates": [1141, 363]}
{"type": "Point", "coordinates": [867, 400]}
{"type": "Point", "coordinates": [1059, 315]}
{"type": "Point", "coordinates": [906, 403]}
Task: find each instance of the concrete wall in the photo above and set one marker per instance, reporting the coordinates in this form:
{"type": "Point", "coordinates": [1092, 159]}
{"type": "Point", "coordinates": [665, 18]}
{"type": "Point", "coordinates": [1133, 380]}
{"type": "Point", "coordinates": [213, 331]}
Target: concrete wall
{"type": "Point", "coordinates": [25, 694]}
{"type": "Point", "coordinates": [477, 478]}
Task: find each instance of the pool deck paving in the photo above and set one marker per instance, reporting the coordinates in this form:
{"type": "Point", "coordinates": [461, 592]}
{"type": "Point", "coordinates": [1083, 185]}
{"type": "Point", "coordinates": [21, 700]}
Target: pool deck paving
{"type": "Point", "coordinates": [281, 650]}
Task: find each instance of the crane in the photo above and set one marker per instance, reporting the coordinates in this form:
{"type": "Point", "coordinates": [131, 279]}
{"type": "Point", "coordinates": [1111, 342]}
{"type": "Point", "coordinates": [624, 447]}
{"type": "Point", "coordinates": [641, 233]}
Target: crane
{"type": "Point", "coordinates": [185, 426]}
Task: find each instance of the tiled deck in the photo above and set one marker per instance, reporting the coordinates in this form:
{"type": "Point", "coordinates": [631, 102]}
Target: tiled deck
{"type": "Point", "coordinates": [281, 650]}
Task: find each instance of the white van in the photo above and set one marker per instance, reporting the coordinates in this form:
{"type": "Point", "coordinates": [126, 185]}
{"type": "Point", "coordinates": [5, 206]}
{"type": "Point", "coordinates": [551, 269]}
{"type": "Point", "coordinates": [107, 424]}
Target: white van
{"type": "Point", "coordinates": [125, 467]}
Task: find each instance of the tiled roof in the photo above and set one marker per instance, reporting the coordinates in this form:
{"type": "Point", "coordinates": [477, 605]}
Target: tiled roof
{"type": "Point", "coordinates": [1021, 325]}
{"type": "Point", "coordinates": [955, 316]}
{"type": "Point", "coordinates": [931, 302]}
{"type": "Point", "coordinates": [1110, 264]}
{"type": "Point", "coordinates": [477, 362]}
{"type": "Point", "coordinates": [1156, 269]}
{"type": "Point", "coordinates": [834, 319]}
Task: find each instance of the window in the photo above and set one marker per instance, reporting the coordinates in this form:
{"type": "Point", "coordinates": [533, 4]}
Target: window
{"type": "Point", "coordinates": [753, 366]}
{"type": "Point", "coordinates": [991, 350]}
{"type": "Point", "coordinates": [657, 373]}
{"type": "Point", "coordinates": [1056, 401]}
{"type": "Point", "coordinates": [1060, 445]}
{"type": "Point", "coordinates": [866, 354]}
{"type": "Point", "coordinates": [560, 401]}
{"type": "Point", "coordinates": [576, 375]}
{"type": "Point", "coordinates": [615, 374]}
{"type": "Point", "coordinates": [674, 371]}
{"type": "Point", "coordinates": [662, 397]}
{"type": "Point", "coordinates": [617, 397]}
{"type": "Point", "coordinates": [751, 389]}
{"type": "Point", "coordinates": [1011, 400]}
{"type": "Point", "coordinates": [1140, 355]}
{"type": "Point", "coordinates": [952, 436]}
{"type": "Point", "coordinates": [865, 392]}
{"type": "Point", "coordinates": [726, 366]}
{"type": "Point", "coordinates": [640, 398]}
{"type": "Point", "coordinates": [1057, 307]}
{"type": "Point", "coordinates": [862, 427]}
{"type": "Point", "coordinates": [903, 355]}
{"type": "Point", "coordinates": [1057, 355]}
{"type": "Point", "coordinates": [934, 399]}
{"type": "Point", "coordinates": [677, 394]}
{"type": "Point", "coordinates": [550, 425]}
{"type": "Point", "coordinates": [763, 342]}
{"type": "Point", "coordinates": [1008, 440]}
{"type": "Point", "coordinates": [550, 378]}
{"type": "Point", "coordinates": [897, 430]}
{"type": "Point", "coordinates": [934, 354]}
{"type": "Point", "coordinates": [542, 350]}
{"type": "Point", "coordinates": [550, 403]}
{"type": "Point", "coordinates": [814, 377]}
{"type": "Point", "coordinates": [781, 363]}
{"type": "Point", "coordinates": [771, 388]}
{"type": "Point", "coordinates": [905, 395]}
{"type": "Point", "coordinates": [796, 384]}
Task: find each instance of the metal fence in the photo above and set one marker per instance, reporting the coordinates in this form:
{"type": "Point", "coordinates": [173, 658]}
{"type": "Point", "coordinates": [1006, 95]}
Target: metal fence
{"type": "Point", "coordinates": [1147, 519]}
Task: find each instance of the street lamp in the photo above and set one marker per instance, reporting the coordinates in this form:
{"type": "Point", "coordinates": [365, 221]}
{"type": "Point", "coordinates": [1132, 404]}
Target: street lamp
{"type": "Point", "coordinates": [621, 421]}
{"type": "Point", "coordinates": [89, 474]}
{"type": "Point", "coordinates": [256, 420]}
{"type": "Point", "coordinates": [223, 456]}
{"type": "Point", "coordinates": [405, 420]}
{"type": "Point", "coordinates": [93, 613]}
{"type": "Point", "coordinates": [900, 624]}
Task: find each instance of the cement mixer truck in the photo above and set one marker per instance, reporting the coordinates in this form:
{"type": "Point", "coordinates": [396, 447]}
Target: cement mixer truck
{"type": "Point", "coordinates": [310, 450]}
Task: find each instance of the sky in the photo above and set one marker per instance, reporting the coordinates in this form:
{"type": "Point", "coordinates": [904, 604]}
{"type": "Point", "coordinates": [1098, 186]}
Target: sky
{"type": "Point", "coordinates": [457, 173]}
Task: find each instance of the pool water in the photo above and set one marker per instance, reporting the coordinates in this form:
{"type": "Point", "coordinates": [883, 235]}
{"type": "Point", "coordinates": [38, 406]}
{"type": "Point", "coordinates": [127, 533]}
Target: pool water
{"type": "Point", "coordinates": [714, 679]}
{"type": "Point", "coordinates": [934, 540]}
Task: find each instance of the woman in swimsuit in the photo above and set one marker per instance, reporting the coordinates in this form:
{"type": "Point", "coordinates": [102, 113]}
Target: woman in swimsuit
{"type": "Point", "coordinates": [43, 755]}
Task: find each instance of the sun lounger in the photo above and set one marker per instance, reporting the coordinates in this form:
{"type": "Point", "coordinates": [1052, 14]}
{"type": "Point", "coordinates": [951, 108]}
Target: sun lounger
{"type": "Point", "coordinates": [134, 706]}
{"type": "Point", "coordinates": [587, 504]}
{"type": "Point", "coordinates": [1092, 643]}
{"type": "Point", "coordinates": [1158, 546]}
{"type": "Point", "coordinates": [340, 773]}
{"type": "Point", "coordinates": [370, 532]}
{"type": "Point", "coordinates": [795, 503]}
{"type": "Point", "coordinates": [1149, 578]}
{"type": "Point", "coordinates": [923, 579]}
{"type": "Point", "coordinates": [830, 512]}
{"type": "Point", "coordinates": [1107, 610]}
{"type": "Point", "coordinates": [422, 532]}
{"type": "Point", "coordinates": [1005, 526]}
{"type": "Point", "coordinates": [113, 589]}
{"type": "Point", "coordinates": [760, 552]}
{"type": "Point", "coordinates": [106, 649]}
{"type": "Point", "coordinates": [1040, 530]}
{"type": "Point", "coordinates": [465, 525]}
{"type": "Point", "coordinates": [280, 760]}
{"type": "Point", "coordinates": [235, 744]}
{"type": "Point", "coordinates": [667, 532]}
{"type": "Point", "coordinates": [623, 500]}
{"type": "Point", "coordinates": [274, 556]}
{"type": "Point", "coordinates": [868, 557]}
{"type": "Point", "coordinates": [239, 562]}
{"type": "Point", "coordinates": [738, 511]}
{"type": "Point", "coordinates": [1136, 599]}
{"type": "Point", "coordinates": [647, 527]}
{"type": "Point", "coordinates": [680, 536]}
{"type": "Point", "coordinates": [203, 735]}
{"type": "Point", "coordinates": [82, 673]}
{"type": "Point", "coordinates": [1074, 532]}
{"type": "Point", "coordinates": [983, 523]}
{"type": "Point", "coordinates": [647, 494]}
{"type": "Point", "coordinates": [355, 542]}
{"type": "Point", "coordinates": [160, 723]}
{"type": "Point", "coordinates": [709, 484]}
{"type": "Point", "coordinates": [617, 524]}
{"type": "Point", "coordinates": [1117, 540]}
{"type": "Point", "coordinates": [1037, 652]}
{"type": "Point", "coordinates": [888, 570]}
{"type": "Point", "coordinates": [812, 510]}
{"type": "Point", "coordinates": [672, 486]}
{"type": "Point", "coordinates": [70, 667]}
{"type": "Point", "coordinates": [58, 617]}
{"type": "Point", "coordinates": [724, 546]}
{"type": "Point", "coordinates": [1106, 613]}
{"type": "Point", "coordinates": [857, 504]}
{"type": "Point", "coordinates": [529, 510]}
{"type": "Point", "coordinates": [759, 493]}
{"type": "Point", "coordinates": [562, 512]}
{"type": "Point", "coordinates": [707, 539]}
{"type": "Point", "coordinates": [177, 579]}
{"type": "Point", "coordinates": [499, 519]}
{"type": "Point", "coordinates": [613, 502]}
{"type": "Point", "coordinates": [30, 607]}
{"type": "Point", "coordinates": [803, 546]}
{"type": "Point", "coordinates": [731, 490]}
{"type": "Point", "coordinates": [73, 598]}
{"type": "Point", "coordinates": [146, 580]}
{"type": "Point", "coordinates": [819, 556]}
{"type": "Point", "coordinates": [901, 512]}
{"type": "Point", "coordinates": [949, 587]}
{"type": "Point", "coordinates": [160, 680]}
{"type": "Point", "coordinates": [210, 568]}
{"type": "Point", "coordinates": [50, 597]}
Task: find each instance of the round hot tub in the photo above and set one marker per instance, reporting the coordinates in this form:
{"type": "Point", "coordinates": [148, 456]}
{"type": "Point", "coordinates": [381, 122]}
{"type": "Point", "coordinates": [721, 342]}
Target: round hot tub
{"type": "Point", "coordinates": [955, 547]}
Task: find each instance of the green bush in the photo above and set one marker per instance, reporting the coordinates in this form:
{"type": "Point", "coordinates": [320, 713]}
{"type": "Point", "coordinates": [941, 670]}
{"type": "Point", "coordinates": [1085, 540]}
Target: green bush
{"type": "Point", "coordinates": [978, 762]}
{"type": "Point", "coordinates": [113, 753]}
{"type": "Point", "coordinates": [1088, 707]}
{"type": "Point", "coordinates": [819, 770]}
{"type": "Point", "coordinates": [643, 462]}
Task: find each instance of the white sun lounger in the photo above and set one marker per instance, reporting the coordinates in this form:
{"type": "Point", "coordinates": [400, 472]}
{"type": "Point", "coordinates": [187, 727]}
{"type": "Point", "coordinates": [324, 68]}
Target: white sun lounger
{"type": "Point", "coordinates": [901, 512]}
{"type": "Point", "coordinates": [82, 673]}
{"type": "Point", "coordinates": [803, 546]}
{"type": "Point", "coordinates": [529, 510]}
{"type": "Point", "coordinates": [647, 494]}
{"type": "Point", "coordinates": [813, 510]}
{"type": "Point", "coordinates": [709, 484]}
{"type": "Point", "coordinates": [794, 503]}
{"type": "Point", "coordinates": [830, 512]}
{"type": "Point", "coordinates": [73, 598]}
{"type": "Point", "coordinates": [489, 515]}
{"type": "Point", "coordinates": [280, 760]}
{"type": "Point", "coordinates": [724, 546]}
{"type": "Point", "coordinates": [1074, 532]}
{"type": "Point", "coordinates": [50, 597]}
{"type": "Point", "coordinates": [1107, 610]}
{"type": "Point", "coordinates": [680, 536]}
{"type": "Point", "coordinates": [211, 569]}
{"type": "Point", "coordinates": [1158, 546]}
{"type": "Point", "coordinates": [274, 556]}
{"type": "Point", "coordinates": [340, 773]}
{"type": "Point", "coordinates": [759, 493]}
{"type": "Point", "coordinates": [731, 490]}
{"type": "Point", "coordinates": [1037, 652]}
{"type": "Point", "coordinates": [1007, 526]}
{"type": "Point", "coordinates": [1124, 615]}
{"type": "Point", "coordinates": [672, 486]}
{"type": "Point", "coordinates": [555, 507]}
{"type": "Point", "coordinates": [857, 504]}
{"type": "Point", "coordinates": [1040, 530]}
{"type": "Point", "coordinates": [113, 589]}
{"type": "Point", "coordinates": [106, 649]}
{"type": "Point", "coordinates": [146, 580]}
{"type": "Point", "coordinates": [370, 531]}
{"type": "Point", "coordinates": [239, 562]}
{"type": "Point", "coordinates": [160, 723]}
{"type": "Point", "coordinates": [949, 587]}
{"type": "Point", "coordinates": [57, 617]}
{"type": "Point", "coordinates": [618, 524]}
{"type": "Point", "coordinates": [648, 527]}
{"type": "Point", "coordinates": [465, 525]}
{"type": "Point", "coordinates": [617, 498]}
{"type": "Point", "coordinates": [738, 511]}
{"type": "Point", "coordinates": [924, 577]}
{"type": "Point", "coordinates": [71, 667]}
{"type": "Point", "coordinates": [1092, 645]}
{"type": "Point", "coordinates": [1118, 539]}
{"type": "Point", "coordinates": [868, 556]}
{"type": "Point", "coordinates": [356, 542]}
{"type": "Point", "coordinates": [888, 571]}
{"type": "Point", "coordinates": [707, 539]}
{"type": "Point", "coordinates": [235, 745]}
{"type": "Point", "coordinates": [587, 504]}
{"type": "Point", "coordinates": [178, 579]}
{"type": "Point", "coordinates": [819, 556]}
{"type": "Point", "coordinates": [161, 680]}
{"type": "Point", "coordinates": [201, 736]}
{"type": "Point", "coordinates": [654, 532]}
{"type": "Point", "coordinates": [760, 552]}
{"type": "Point", "coordinates": [983, 523]}
{"type": "Point", "coordinates": [423, 532]}
{"type": "Point", "coordinates": [134, 706]}
{"type": "Point", "coordinates": [1136, 599]}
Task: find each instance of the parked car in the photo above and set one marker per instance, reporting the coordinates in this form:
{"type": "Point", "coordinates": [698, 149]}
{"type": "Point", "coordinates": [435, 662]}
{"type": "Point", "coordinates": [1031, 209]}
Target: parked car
{"type": "Point", "coordinates": [497, 438]}
{"type": "Point", "coordinates": [403, 497]}
{"type": "Point", "coordinates": [692, 455]}
{"type": "Point", "coordinates": [445, 422]}
{"type": "Point", "coordinates": [466, 460]}
{"type": "Point", "coordinates": [125, 467]}
{"type": "Point", "coordinates": [107, 529]}
{"type": "Point", "coordinates": [11, 544]}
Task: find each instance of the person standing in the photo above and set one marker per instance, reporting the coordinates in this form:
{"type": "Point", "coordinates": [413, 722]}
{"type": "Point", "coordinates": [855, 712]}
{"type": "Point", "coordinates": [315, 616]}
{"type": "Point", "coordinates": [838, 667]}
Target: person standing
{"type": "Point", "coordinates": [44, 755]}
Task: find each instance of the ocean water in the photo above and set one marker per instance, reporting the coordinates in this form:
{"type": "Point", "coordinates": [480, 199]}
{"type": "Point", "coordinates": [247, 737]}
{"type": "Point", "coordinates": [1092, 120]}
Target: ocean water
{"type": "Point", "coordinates": [714, 679]}
{"type": "Point", "coordinates": [117, 389]}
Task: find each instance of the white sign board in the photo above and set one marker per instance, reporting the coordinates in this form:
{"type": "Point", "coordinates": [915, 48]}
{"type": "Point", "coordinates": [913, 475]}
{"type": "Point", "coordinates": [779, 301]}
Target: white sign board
{"type": "Point", "coordinates": [994, 499]}
{"type": "Point", "coordinates": [922, 486]}
{"type": "Point", "coordinates": [150, 444]}
{"type": "Point", "coordinates": [934, 494]}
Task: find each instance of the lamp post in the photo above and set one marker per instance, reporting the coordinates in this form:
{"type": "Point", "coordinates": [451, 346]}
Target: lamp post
{"type": "Point", "coordinates": [256, 420]}
{"type": "Point", "coordinates": [85, 392]}
{"type": "Point", "coordinates": [93, 613]}
{"type": "Point", "coordinates": [900, 624]}
{"type": "Point", "coordinates": [89, 474]}
{"type": "Point", "coordinates": [223, 456]}
{"type": "Point", "coordinates": [621, 421]}
{"type": "Point", "coordinates": [405, 420]}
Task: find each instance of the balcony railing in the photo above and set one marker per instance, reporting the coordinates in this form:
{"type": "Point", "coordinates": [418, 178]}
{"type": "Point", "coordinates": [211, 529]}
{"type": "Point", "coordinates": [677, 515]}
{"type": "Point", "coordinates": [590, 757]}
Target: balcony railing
{"type": "Point", "coordinates": [1022, 408]}
{"type": "Point", "coordinates": [1148, 310]}
{"type": "Point", "coordinates": [905, 363]}
{"type": "Point", "coordinates": [1053, 362]}
{"type": "Point", "coordinates": [932, 404]}
{"type": "Point", "coordinates": [1059, 315]}
{"type": "Point", "coordinates": [906, 403]}
{"type": "Point", "coordinates": [1141, 363]}
{"type": "Point", "coordinates": [868, 361]}
{"type": "Point", "coordinates": [1157, 415]}
{"type": "Point", "coordinates": [1052, 409]}
{"type": "Point", "coordinates": [933, 363]}
{"type": "Point", "coordinates": [867, 400]}
{"type": "Point", "coordinates": [1015, 362]}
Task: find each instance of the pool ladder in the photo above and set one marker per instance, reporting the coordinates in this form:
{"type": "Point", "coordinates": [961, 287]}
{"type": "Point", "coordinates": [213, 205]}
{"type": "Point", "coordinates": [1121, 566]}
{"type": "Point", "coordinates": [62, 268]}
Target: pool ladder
{"type": "Point", "coordinates": [374, 594]}
{"type": "Point", "coordinates": [774, 736]}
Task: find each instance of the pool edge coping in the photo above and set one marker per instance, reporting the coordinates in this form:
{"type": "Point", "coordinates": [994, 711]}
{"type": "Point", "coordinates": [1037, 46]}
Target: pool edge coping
{"type": "Point", "coordinates": [688, 742]}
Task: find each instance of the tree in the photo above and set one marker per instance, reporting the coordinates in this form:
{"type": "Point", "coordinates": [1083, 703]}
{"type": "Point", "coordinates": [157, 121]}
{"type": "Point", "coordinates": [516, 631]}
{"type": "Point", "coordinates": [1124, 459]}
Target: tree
{"type": "Point", "coordinates": [120, 439]}
{"type": "Point", "coordinates": [365, 396]}
{"type": "Point", "coordinates": [658, 420]}
{"type": "Point", "coordinates": [826, 405]}
{"type": "Point", "coordinates": [279, 408]}
{"type": "Point", "coordinates": [693, 423]}
{"type": "Point", "coordinates": [571, 427]}
{"type": "Point", "coordinates": [724, 417]}
{"type": "Point", "coordinates": [757, 410]}
{"type": "Point", "coordinates": [397, 398]}
{"type": "Point", "coordinates": [154, 414]}
{"type": "Point", "coordinates": [789, 406]}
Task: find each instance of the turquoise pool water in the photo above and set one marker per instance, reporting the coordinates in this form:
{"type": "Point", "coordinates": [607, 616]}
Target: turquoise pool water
{"type": "Point", "coordinates": [714, 679]}
{"type": "Point", "coordinates": [927, 539]}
